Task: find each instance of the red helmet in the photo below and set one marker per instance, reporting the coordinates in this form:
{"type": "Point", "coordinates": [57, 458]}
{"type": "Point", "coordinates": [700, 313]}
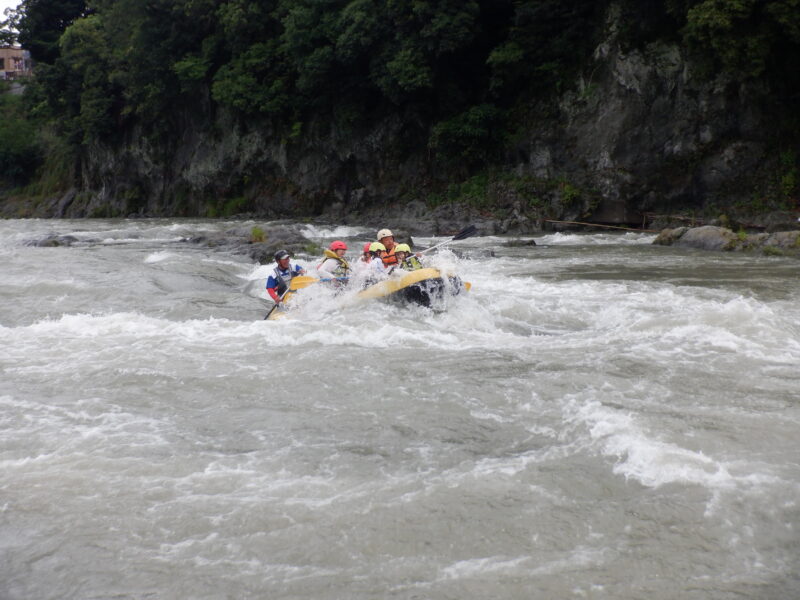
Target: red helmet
{"type": "Point", "coordinates": [366, 247]}
{"type": "Point", "coordinates": [338, 245]}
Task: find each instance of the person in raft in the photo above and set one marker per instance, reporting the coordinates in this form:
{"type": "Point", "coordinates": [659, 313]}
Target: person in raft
{"type": "Point", "coordinates": [366, 256]}
{"type": "Point", "coordinates": [376, 266]}
{"type": "Point", "coordinates": [364, 261]}
{"type": "Point", "coordinates": [334, 266]}
{"type": "Point", "coordinates": [280, 278]}
{"type": "Point", "coordinates": [369, 267]}
{"type": "Point", "coordinates": [374, 270]}
{"type": "Point", "coordinates": [406, 260]}
{"type": "Point", "coordinates": [386, 238]}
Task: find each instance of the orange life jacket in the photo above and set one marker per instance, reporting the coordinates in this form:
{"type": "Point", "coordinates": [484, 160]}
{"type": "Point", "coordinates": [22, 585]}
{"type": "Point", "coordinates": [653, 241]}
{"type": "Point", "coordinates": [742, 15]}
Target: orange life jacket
{"type": "Point", "coordinates": [388, 257]}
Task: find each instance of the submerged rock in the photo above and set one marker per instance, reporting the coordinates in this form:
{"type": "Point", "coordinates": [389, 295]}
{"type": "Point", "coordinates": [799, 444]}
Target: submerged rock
{"type": "Point", "coordinates": [473, 253]}
{"type": "Point", "coordinates": [53, 241]}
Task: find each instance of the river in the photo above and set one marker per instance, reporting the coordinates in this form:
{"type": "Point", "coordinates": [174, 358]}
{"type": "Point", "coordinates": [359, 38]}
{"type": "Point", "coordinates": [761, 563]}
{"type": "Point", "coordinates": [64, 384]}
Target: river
{"type": "Point", "coordinates": [597, 418]}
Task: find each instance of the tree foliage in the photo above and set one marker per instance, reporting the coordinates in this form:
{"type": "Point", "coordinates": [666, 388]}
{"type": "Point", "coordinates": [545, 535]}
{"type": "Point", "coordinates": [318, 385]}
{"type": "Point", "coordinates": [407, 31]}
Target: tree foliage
{"type": "Point", "coordinates": [19, 149]}
{"type": "Point", "coordinates": [41, 22]}
{"type": "Point", "coordinates": [747, 37]}
{"type": "Point", "coordinates": [454, 70]}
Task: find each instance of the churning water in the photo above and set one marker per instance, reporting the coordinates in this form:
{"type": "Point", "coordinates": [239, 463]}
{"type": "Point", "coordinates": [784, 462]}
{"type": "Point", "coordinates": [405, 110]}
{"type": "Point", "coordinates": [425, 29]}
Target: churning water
{"type": "Point", "coordinates": [597, 418]}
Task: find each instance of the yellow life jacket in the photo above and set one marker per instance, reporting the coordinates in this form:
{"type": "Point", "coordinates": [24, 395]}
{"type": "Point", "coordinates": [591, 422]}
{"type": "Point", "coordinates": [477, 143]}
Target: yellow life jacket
{"type": "Point", "coordinates": [340, 271]}
{"type": "Point", "coordinates": [411, 264]}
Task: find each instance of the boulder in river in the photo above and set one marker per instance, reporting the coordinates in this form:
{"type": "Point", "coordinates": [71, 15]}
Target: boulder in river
{"type": "Point", "coordinates": [720, 238]}
{"type": "Point", "coordinates": [259, 242]}
{"type": "Point", "coordinates": [708, 237]}
{"type": "Point", "coordinates": [785, 240]}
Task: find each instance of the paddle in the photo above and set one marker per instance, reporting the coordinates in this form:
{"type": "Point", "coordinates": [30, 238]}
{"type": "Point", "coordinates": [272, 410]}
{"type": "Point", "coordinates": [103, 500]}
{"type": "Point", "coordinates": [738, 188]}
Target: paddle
{"type": "Point", "coordinates": [468, 231]}
{"type": "Point", "coordinates": [297, 283]}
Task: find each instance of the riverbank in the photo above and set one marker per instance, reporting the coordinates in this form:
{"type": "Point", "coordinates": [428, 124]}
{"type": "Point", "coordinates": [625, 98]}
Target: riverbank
{"type": "Point", "coordinates": [771, 232]}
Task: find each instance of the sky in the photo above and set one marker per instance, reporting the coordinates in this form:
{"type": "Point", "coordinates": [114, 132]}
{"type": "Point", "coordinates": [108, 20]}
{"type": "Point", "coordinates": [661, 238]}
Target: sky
{"type": "Point", "coordinates": [4, 4]}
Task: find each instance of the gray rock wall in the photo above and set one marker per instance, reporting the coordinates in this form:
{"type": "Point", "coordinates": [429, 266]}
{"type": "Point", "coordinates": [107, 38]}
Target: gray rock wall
{"type": "Point", "coordinates": [647, 132]}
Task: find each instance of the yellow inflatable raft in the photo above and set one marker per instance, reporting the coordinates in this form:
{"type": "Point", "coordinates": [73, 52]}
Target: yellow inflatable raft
{"type": "Point", "coordinates": [425, 287]}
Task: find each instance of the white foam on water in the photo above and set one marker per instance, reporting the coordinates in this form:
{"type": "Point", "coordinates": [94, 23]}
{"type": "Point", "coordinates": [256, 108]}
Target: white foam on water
{"type": "Point", "coordinates": [231, 263]}
{"type": "Point", "coordinates": [157, 257]}
{"type": "Point", "coordinates": [500, 566]}
{"type": "Point", "coordinates": [353, 327]}
{"type": "Point", "coordinates": [482, 567]}
{"type": "Point", "coordinates": [596, 239]}
{"type": "Point", "coordinates": [53, 438]}
{"type": "Point", "coordinates": [122, 241]}
{"type": "Point", "coordinates": [641, 455]}
{"type": "Point", "coordinates": [338, 231]}
{"type": "Point", "coordinates": [193, 227]}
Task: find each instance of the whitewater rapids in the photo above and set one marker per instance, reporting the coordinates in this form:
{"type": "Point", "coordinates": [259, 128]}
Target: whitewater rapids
{"type": "Point", "coordinates": [597, 418]}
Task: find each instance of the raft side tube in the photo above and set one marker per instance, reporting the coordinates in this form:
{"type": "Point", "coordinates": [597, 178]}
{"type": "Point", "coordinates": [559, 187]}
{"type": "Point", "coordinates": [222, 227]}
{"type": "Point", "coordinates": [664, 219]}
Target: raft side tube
{"type": "Point", "coordinates": [420, 287]}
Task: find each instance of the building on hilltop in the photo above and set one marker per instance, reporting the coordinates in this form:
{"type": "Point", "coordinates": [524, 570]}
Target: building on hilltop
{"type": "Point", "coordinates": [15, 63]}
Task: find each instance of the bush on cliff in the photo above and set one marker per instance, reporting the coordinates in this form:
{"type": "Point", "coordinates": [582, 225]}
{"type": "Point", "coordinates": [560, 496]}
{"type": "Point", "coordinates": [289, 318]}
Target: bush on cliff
{"type": "Point", "coordinates": [19, 149]}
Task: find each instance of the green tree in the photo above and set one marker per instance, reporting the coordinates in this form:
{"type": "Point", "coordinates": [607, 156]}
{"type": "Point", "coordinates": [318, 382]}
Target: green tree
{"type": "Point", "coordinates": [546, 41]}
{"type": "Point", "coordinates": [746, 38]}
{"type": "Point", "coordinates": [41, 22]}
{"type": "Point", "coordinates": [19, 148]}
{"type": "Point", "coordinates": [8, 27]}
{"type": "Point", "coordinates": [85, 53]}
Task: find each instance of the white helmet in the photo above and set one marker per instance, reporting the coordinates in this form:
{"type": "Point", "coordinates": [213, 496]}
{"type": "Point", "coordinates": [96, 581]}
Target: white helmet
{"type": "Point", "coordinates": [384, 233]}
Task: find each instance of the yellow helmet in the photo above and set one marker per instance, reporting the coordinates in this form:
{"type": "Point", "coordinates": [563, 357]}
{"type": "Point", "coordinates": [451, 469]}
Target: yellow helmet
{"type": "Point", "coordinates": [377, 247]}
{"type": "Point", "coordinates": [384, 233]}
{"type": "Point", "coordinates": [402, 248]}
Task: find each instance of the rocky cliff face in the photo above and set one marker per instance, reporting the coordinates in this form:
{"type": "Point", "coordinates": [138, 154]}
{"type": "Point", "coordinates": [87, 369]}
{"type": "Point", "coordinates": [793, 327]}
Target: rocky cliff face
{"type": "Point", "coordinates": [641, 131]}
{"type": "Point", "coordinates": [648, 133]}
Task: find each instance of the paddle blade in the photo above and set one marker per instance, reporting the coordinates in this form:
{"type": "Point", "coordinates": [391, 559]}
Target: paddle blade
{"type": "Point", "coordinates": [301, 281]}
{"type": "Point", "coordinates": [468, 231]}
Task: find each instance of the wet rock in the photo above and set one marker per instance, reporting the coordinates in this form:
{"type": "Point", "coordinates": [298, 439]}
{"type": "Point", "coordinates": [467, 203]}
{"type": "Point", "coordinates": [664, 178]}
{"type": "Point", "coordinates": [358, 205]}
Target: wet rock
{"type": "Point", "coordinates": [264, 252]}
{"type": "Point", "coordinates": [708, 237]}
{"type": "Point", "coordinates": [473, 253]}
{"type": "Point", "coordinates": [520, 243]}
{"type": "Point", "coordinates": [65, 201]}
{"type": "Point", "coordinates": [669, 236]}
{"type": "Point", "coordinates": [779, 221]}
{"type": "Point", "coordinates": [259, 242]}
{"type": "Point", "coordinates": [53, 241]}
{"type": "Point", "coordinates": [718, 238]}
{"type": "Point", "coordinates": [786, 240]}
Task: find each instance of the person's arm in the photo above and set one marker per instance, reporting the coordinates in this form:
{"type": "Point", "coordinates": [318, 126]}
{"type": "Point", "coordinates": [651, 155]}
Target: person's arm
{"type": "Point", "coordinates": [325, 269]}
{"type": "Point", "coordinates": [298, 270]}
{"type": "Point", "coordinates": [272, 289]}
